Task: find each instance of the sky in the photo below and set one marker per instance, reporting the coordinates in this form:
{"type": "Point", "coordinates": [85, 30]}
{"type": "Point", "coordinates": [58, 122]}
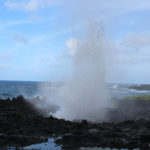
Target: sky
{"type": "Point", "coordinates": [35, 36]}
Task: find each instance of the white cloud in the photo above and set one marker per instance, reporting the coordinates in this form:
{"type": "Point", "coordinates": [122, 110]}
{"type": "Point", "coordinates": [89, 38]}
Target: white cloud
{"type": "Point", "coordinates": [38, 39]}
{"type": "Point", "coordinates": [137, 40]}
{"type": "Point", "coordinates": [106, 9]}
{"type": "Point", "coordinates": [36, 18]}
{"type": "Point", "coordinates": [62, 32]}
{"type": "Point", "coordinates": [131, 49]}
{"type": "Point", "coordinates": [14, 5]}
{"type": "Point", "coordinates": [4, 66]}
{"type": "Point", "coordinates": [6, 57]}
{"type": "Point", "coordinates": [30, 5]}
{"type": "Point", "coordinates": [13, 23]}
{"type": "Point", "coordinates": [72, 45]}
{"type": "Point", "coordinates": [20, 38]}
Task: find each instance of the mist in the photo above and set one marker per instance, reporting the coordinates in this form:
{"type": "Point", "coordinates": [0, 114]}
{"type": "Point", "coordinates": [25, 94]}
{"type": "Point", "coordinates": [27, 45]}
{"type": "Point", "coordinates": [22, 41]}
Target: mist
{"type": "Point", "coordinates": [84, 96]}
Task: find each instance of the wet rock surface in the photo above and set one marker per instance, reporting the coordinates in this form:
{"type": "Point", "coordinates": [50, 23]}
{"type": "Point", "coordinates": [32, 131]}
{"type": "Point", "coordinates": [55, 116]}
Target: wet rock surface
{"type": "Point", "coordinates": [140, 87]}
{"type": "Point", "coordinates": [128, 134]}
{"type": "Point", "coordinates": [20, 121]}
{"type": "Point", "coordinates": [22, 125]}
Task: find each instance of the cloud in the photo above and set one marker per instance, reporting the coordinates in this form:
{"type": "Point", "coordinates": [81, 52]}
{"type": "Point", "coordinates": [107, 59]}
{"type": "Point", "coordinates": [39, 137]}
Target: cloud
{"type": "Point", "coordinates": [4, 67]}
{"type": "Point", "coordinates": [36, 18]}
{"type": "Point", "coordinates": [72, 45]}
{"type": "Point", "coordinates": [20, 38]}
{"type": "Point", "coordinates": [132, 49]}
{"type": "Point", "coordinates": [106, 9]}
{"type": "Point", "coordinates": [62, 32]}
{"type": "Point", "coordinates": [131, 59]}
{"type": "Point", "coordinates": [6, 57]}
{"type": "Point", "coordinates": [30, 5]}
{"type": "Point", "coordinates": [14, 5]}
{"type": "Point", "coordinates": [137, 40]}
{"type": "Point", "coordinates": [14, 23]}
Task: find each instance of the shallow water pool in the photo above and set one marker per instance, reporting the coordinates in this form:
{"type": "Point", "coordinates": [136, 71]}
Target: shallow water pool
{"type": "Point", "coordinates": [96, 148]}
{"type": "Point", "coordinates": [50, 145]}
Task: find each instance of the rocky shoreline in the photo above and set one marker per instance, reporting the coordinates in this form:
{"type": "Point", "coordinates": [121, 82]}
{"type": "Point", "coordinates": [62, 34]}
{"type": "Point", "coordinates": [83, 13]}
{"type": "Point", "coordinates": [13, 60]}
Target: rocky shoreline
{"type": "Point", "coordinates": [21, 125]}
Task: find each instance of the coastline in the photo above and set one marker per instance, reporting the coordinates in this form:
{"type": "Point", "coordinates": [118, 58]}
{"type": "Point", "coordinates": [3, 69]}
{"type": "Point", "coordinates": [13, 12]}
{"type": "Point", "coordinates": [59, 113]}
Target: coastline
{"type": "Point", "coordinates": [22, 125]}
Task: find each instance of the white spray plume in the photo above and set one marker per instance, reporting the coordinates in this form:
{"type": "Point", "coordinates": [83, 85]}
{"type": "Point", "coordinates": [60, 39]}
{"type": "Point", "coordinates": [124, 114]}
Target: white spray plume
{"type": "Point", "coordinates": [72, 44]}
{"type": "Point", "coordinates": [85, 96]}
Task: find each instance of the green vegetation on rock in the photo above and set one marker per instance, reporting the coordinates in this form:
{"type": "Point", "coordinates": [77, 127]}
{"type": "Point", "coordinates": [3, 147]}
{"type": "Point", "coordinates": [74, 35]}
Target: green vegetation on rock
{"type": "Point", "coordinates": [142, 97]}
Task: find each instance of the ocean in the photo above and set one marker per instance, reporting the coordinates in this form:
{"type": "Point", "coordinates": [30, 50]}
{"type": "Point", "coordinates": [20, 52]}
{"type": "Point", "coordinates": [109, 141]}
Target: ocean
{"type": "Point", "coordinates": [30, 89]}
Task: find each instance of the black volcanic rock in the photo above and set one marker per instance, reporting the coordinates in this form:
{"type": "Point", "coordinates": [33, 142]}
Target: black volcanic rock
{"type": "Point", "coordinates": [21, 124]}
{"type": "Point", "coordinates": [142, 87]}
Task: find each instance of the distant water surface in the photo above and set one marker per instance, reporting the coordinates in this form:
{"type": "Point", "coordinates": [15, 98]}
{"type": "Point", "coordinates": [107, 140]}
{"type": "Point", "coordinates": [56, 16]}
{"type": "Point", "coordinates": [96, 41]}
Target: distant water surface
{"type": "Point", "coordinates": [32, 89]}
{"type": "Point", "coordinates": [28, 89]}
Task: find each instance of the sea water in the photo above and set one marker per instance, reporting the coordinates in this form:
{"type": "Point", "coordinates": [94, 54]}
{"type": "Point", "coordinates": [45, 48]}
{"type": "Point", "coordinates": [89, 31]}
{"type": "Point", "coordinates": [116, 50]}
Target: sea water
{"type": "Point", "coordinates": [30, 89]}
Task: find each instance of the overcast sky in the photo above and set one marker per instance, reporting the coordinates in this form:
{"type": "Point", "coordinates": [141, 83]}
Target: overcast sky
{"type": "Point", "coordinates": [35, 34]}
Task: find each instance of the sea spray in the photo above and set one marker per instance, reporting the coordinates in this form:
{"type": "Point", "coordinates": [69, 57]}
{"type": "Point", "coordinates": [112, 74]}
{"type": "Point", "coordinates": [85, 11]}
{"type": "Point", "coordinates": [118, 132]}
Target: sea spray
{"type": "Point", "coordinates": [85, 95]}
